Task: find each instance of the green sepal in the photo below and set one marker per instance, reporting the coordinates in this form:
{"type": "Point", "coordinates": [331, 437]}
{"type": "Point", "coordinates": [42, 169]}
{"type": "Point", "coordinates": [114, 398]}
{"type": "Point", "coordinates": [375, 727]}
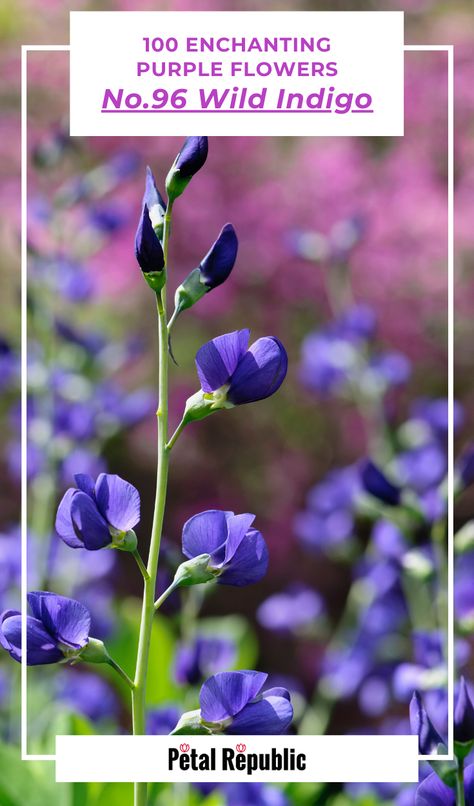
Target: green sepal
{"type": "Point", "coordinates": [191, 724]}
{"type": "Point", "coordinates": [194, 571]}
{"type": "Point", "coordinates": [201, 404]}
{"type": "Point", "coordinates": [462, 749]}
{"type": "Point", "coordinates": [94, 652]}
{"type": "Point", "coordinates": [125, 541]}
{"type": "Point", "coordinates": [175, 183]}
{"type": "Point", "coordinates": [155, 279]}
{"type": "Point", "coordinates": [191, 290]}
{"type": "Point", "coordinates": [446, 770]}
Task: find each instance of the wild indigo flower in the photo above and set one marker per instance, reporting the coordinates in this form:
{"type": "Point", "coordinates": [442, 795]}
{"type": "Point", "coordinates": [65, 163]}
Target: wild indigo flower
{"type": "Point", "coordinates": [421, 725]}
{"type": "Point", "coordinates": [232, 373]}
{"type": "Point", "coordinates": [433, 792]}
{"type": "Point", "coordinates": [88, 694]}
{"type": "Point", "coordinates": [291, 610]}
{"type": "Point", "coordinates": [161, 721]}
{"type": "Point", "coordinates": [149, 252]}
{"type": "Point", "coordinates": [205, 656]}
{"type": "Point", "coordinates": [58, 629]}
{"type": "Point", "coordinates": [93, 516]}
{"type": "Point", "coordinates": [233, 702]}
{"type": "Point", "coordinates": [328, 520]}
{"type": "Point", "coordinates": [238, 553]}
{"type": "Point", "coordinates": [213, 270]}
{"type": "Point", "coordinates": [463, 716]}
{"type": "Point", "coordinates": [190, 159]}
{"type": "Point", "coordinates": [377, 484]}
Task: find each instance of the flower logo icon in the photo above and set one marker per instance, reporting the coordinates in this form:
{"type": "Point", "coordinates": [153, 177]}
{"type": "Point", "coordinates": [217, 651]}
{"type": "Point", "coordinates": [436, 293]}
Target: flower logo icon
{"type": "Point", "coordinates": [184, 748]}
{"type": "Point", "coordinates": [241, 748]}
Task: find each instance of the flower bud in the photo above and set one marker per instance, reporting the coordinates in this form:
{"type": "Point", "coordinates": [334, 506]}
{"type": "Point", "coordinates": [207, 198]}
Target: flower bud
{"type": "Point", "coordinates": [155, 203]}
{"type": "Point", "coordinates": [464, 718]}
{"type": "Point", "coordinates": [95, 652]}
{"type": "Point", "coordinates": [190, 159]}
{"type": "Point", "coordinates": [194, 571]}
{"type": "Point", "coordinates": [377, 484]}
{"type": "Point", "coordinates": [124, 541]}
{"type": "Point", "coordinates": [201, 404]}
{"type": "Point", "coordinates": [149, 252]}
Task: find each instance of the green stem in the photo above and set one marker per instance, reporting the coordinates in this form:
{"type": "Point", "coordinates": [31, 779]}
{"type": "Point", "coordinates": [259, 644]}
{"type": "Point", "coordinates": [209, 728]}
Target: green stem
{"type": "Point", "coordinates": [165, 594]}
{"type": "Point", "coordinates": [141, 564]}
{"type": "Point", "coordinates": [176, 435]}
{"type": "Point", "coordinates": [460, 798]}
{"type": "Point", "coordinates": [123, 674]}
{"type": "Point", "coordinates": [148, 607]}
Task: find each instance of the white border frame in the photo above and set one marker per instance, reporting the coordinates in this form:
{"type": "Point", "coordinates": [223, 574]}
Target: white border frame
{"type": "Point", "coordinates": [25, 49]}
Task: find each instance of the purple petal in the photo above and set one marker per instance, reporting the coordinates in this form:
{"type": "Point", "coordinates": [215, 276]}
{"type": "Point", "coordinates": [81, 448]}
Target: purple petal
{"type": "Point", "coordinates": [64, 525]}
{"type": "Point", "coordinates": [205, 533]}
{"type": "Point", "coordinates": [463, 715]}
{"type": "Point", "coordinates": [225, 694]}
{"type": "Point", "coordinates": [249, 563]}
{"type": "Point", "coordinates": [217, 360]}
{"type": "Point", "coordinates": [270, 715]}
{"type": "Point", "coordinates": [216, 266]}
{"type": "Point", "coordinates": [375, 483]}
{"type": "Point", "coordinates": [85, 483]}
{"type": "Point", "coordinates": [67, 621]}
{"type": "Point", "coordinates": [41, 648]}
{"type": "Point", "coordinates": [432, 792]}
{"type": "Point", "coordinates": [237, 528]}
{"type": "Point", "coordinates": [88, 523]}
{"type": "Point", "coordinates": [260, 373]}
{"type": "Point", "coordinates": [421, 725]}
{"type": "Point", "coordinates": [192, 156]}
{"type": "Point", "coordinates": [148, 249]}
{"type": "Point", "coordinates": [118, 501]}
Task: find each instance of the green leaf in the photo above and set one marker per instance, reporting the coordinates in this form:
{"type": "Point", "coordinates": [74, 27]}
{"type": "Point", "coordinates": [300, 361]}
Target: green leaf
{"type": "Point", "coordinates": [29, 783]}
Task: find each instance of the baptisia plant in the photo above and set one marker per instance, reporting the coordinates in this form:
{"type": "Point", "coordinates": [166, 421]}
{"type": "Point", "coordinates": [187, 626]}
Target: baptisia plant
{"type": "Point", "coordinates": [220, 546]}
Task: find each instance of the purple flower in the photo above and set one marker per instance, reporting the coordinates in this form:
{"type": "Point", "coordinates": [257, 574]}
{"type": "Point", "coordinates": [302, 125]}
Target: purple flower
{"type": "Point", "coordinates": [291, 610]}
{"type": "Point", "coordinates": [433, 792]}
{"type": "Point", "coordinates": [463, 716]}
{"type": "Point", "coordinates": [192, 156]}
{"type": "Point", "coordinates": [421, 725]}
{"type": "Point", "coordinates": [328, 520]}
{"type": "Point", "coordinates": [216, 266]}
{"type": "Point", "coordinates": [205, 656]}
{"type": "Point", "coordinates": [375, 483]}
{"type": "Point", "coordinates": [234, 701]}
{"type": "Point", "coordinates": [238, 553]}
{"type": "Point", "coordinates": [423, 467]}
{"type": "Point", "coordinates": [252, 793]}
{"type": "Point", "coordinates": [148, 249]}
{"type": "Point", "coordinates": [237, 373]}
{"type": "Point", "coordinates": [161, 721]}
{"type": "Point", "coordinates": [389, 541]}
{"type": "Point", "coordinates": [435, 414]}
{"type": "Point", "coordinates": [153, 201]}
{"type": "Point", "coordinates": [58, 629]}
{"type": "Point", "coordinates": [100, 515]}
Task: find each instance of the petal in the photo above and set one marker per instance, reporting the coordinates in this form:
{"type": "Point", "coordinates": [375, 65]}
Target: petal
{"type": "Point", "coordinates": [89, 524]}
{"type": "Point", "coordinates": [237, 528]}
{"type": "Point", "coordinates": [85, 483]}
{"type": "Point", "coordinates": [67, 621]}
{"type": "Point", "coordinates": [205, 533]}
{"type": "Point", "coordinates": [375, 483]}
{"type": "Point", "coordinates": [270, 715]}
{"type": "Point", "coordinates": [192, 156]}
{"type": "Point", "coordinates": [3, 641]}
{"type": "Point", "coordinates": [432, 792]}
{"type": "Point", "coordinates": [64, 525]}
{"type": "Point", "coordinates": [249, 563]}
{"type": "Point", "coordinates": [277, 691]}
{"type": "Point", "coordinates": [217, 360]}
{"type": "Point", "coordinates": [260, 373]}
{"type": "Point", "coordinates": [41, 648]}
{"type": "Point", "coordinates": [421, 725]}
{"type": "Point", "coordinates": [225, 694]}
{"type": "Point", "coordinates": [148, 249]}
{"type": "Point", "coordinates": [118, 501]}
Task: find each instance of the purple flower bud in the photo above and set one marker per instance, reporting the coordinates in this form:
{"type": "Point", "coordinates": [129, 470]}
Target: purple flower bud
{"type": "Point", "coordinates": [149, 252]}
{"type": "Point", "coordinates": [463, 716]}
{"type": "Point", "coordinates": [235, 702]}
{"type": "Point", "coordinates": [375, 483]}
{"type": "Point", "coordinates": [421, 725]}
{"type": "Point", "coordinates": [153, 201]}
{"type": "Point", "coordinates": [97, 515]}
{"type": "Point", "coordinates": [58, 629]}
{"type": "Point", "coordinates": [190, 159]}
{"type": "Point", "coordinates": [248, 374]}
{"type": "Point", "coordinates": [238, 553]}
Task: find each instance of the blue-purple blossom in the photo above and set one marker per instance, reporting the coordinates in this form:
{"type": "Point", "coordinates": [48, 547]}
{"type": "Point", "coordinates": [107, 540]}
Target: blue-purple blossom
{"type": "Point", "coordinates": [58, 629]}
{"type": "Point", "coordinates": [433, 792]}
{"type": "Point", "coordinates": [153, 201]}
{"type": "Point", "coordinates": [237, 373]}
{"type": "Point", "coordinates": [238, 552]}
{"type": "Point", "coordinates": [216, 266]}
{"type": "Point", "coordinates": [377, 484]}
{"type": "Point", "coordinates": [93, 516]}
{"type": "Point", "coordinates": [422, 467]}
{"type": "Point", "coordinates": [252, 793]}
{"type": "Point", "coordinates": [291, 610]}
{"type": "Point", "coordinates": [88, 694]}
{"type": "Point", "coordinates": [328, 520]}
{"type": "Point", "coordinates": [421, 725]}
{"type": "Point", "coordinates": [161, 721]}
{"type": "Point", "coordinates": [465, 466]}
{"type": "Point", "coordinates": [463, 715]}
{"type": "Point", "coordinates": [233, 703]}
{"type": "Point", "coordinates": [148, 249]}
{"type": "Point", "coordinates": [204, 656]}
{"type": "Point", "coordinates": [192, 156]}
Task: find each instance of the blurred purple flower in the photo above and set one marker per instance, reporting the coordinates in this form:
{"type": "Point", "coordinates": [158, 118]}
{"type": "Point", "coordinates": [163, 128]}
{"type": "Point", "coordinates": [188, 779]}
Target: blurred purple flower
{"type": "Point", "coordinates": [205, 656]}
{"type": "Point", "coordinates": [161, 721]}
{"type": "Point", "coordinates": [463, 715]}
{"type": "Point", "coordinates": [421, 725]}
{"type": "Point", "coordinates": [377, 484]}
{"type": "Point", "coordinates": [433, 792]}
{"type": "Point", "coordinates": [297, 607]}
{"type": "Point", "coordinates": [88, 694]}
